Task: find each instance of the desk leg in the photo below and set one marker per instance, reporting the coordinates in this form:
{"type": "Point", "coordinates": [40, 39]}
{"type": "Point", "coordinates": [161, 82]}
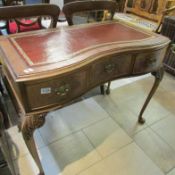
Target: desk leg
{"type": "Point", "coordinates": [158, 77]}
{"type": "Point", "coordinates": [28, 127]}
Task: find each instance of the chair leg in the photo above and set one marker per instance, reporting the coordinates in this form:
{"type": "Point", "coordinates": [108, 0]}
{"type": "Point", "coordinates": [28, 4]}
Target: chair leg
{"type": "Point", "coordinates": [107, 91]}
{"type": "Point", "coordinates": [102, 89]}
{"type": "Point", "coordinates": [108, 88]}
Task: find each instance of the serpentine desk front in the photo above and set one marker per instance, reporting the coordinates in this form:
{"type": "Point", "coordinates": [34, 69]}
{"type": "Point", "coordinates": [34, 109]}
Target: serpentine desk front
{"type": "Point", "coordinates": [47, 69]}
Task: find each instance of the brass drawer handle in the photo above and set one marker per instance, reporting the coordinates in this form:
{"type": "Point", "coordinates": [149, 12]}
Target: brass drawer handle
{"type": "Point", "coordinates": [110, 67]}
{"type": "Point", "coordinates": [63, 90]}
{"type": "Point", "coordinates": [151, 61]}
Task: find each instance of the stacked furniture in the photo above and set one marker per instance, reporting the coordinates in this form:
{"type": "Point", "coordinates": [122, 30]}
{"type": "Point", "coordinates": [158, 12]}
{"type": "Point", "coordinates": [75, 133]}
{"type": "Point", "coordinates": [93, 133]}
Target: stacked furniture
{"type": "Point", "coordinates": [168, 29]}
{"type": "Point", "coordinates": [145, 14]}
{"type": "Point", "coordinates": [150, 9]}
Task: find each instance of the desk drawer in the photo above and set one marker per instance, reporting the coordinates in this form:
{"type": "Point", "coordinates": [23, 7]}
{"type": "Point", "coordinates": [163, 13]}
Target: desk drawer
{"type": "Point", "coordinates": [111, 67]}
{"type": "Point", "coordinates": [148, 62]}
{"type": "Point", "coordinates": [55, 91]}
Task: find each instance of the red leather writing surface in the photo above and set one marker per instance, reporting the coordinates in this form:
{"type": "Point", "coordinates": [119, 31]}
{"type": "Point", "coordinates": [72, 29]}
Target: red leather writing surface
{"type": "Point", "coordinates": [56, 46]}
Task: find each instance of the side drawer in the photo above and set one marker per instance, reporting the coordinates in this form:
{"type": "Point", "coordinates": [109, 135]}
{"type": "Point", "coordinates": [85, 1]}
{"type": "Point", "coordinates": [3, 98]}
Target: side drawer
{"type": "Point", "coordinates": [148, 62]}
{"type": "Point", "coordinates": [111, 67]}
{"type": "Point", "coordinates": [55, 91]}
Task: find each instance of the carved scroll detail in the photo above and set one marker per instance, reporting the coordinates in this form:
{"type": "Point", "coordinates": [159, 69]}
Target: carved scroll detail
{"type": "Point", "coordinates": [31, 123]}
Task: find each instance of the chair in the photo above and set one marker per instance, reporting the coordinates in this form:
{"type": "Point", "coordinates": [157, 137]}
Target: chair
{"type": "Point", "coordinates": [168, 12]}
{"type": "Point", "coordinates": [18, 2]}
{"type": "Point", "coordinates": [12, 2]}
{"type": "Point", "coordinates": [22, 18]}
{"type": "Point", "coordinates": [87, 6]}
{"type": "Point", "coordinates": [90, 11]}
{"type": "Point", "coordinates": [146, 14]}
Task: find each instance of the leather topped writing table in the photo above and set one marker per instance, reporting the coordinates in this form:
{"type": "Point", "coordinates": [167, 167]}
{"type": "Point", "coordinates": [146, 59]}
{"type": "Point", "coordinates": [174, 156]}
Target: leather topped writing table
{"type": "Point", "coordinates": [49, 68]}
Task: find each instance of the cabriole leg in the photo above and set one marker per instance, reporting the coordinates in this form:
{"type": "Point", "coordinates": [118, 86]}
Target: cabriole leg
{"type": "Point", "coordinates": [158, 77]}
{"type": "Point", "coordinates": [28, 127]}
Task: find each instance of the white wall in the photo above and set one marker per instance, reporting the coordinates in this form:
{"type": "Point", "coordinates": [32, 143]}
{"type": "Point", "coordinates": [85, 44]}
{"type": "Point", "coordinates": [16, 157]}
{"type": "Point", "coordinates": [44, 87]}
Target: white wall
{"type": "Point", "coordinates": [57, 2]}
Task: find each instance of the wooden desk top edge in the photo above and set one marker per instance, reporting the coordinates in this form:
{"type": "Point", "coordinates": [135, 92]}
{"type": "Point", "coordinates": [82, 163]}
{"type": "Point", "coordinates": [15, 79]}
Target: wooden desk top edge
{"type": "Point", "coordinates": [83, 57]}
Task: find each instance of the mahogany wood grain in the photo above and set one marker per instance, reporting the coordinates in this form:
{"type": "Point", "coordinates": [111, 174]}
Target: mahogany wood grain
{"type": "Point", "coordinates": [90, 11]}
{"type": "Point", "coordinates": [106, 57]}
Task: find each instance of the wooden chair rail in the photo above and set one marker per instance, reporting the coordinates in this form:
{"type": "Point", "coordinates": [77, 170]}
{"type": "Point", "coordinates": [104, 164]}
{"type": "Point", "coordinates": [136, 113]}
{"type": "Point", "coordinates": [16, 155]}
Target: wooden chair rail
{"type": "Point", "coordinates": [17, 2]}
{"type": "Point", "coordinates": [164, 13]}
{"type": "Point", "coordinates": [8, 13]}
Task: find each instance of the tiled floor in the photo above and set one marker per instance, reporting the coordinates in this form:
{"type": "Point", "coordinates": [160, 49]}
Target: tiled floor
{"type": "Point", "coordinates": [100, 135]}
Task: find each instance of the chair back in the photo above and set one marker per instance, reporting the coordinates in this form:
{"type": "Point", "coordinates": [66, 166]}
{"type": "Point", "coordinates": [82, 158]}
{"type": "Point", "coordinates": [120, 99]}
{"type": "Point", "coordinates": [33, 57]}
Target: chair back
{"type": "Point", "coordinates": [88, 6]}
{"type": "Point", "coordinates": [19, 2]}
{"type": "Point", "coordinates": [12, 2]}
{"type": "Point", "coordinates": [10, 13]}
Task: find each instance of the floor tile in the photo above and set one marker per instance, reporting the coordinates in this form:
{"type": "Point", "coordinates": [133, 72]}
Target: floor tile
{"type": "Point", "coordinates": [166, 129]}
{"type": "Point", "coordinates": [18, 147]}
{"type": "Point", "coordinates": [25, 166]}
{"type": "Point", "coordinates": [104, 122]}
{"type": "Point", "coordinates": [172, 172]}
{"type": "Point", "coordinates": [133, 97]}
{"type": "Point", "coordinates": [69, 155]}
{"type": "Point", "coordinates": [63, 122]}
{"type": "Point", "coordinates": [159, 151]}
{"type": "Point", "coordinates": [121, 114]}
{"type": "Point", "coordinates": [146, 83]}
{"type": "Point", "coordinates": [153, 112]}
{"type": "Point", "coordinates": [140, 85]}
{"type": "Point", "coordinates": [125, 81]}
{"type": "Point", "coordinates": [130, 160]}
{"type": "Point", "coordinates": [126, 92]}
{"type": "Point", "coordinates": [118, 83]}
{"type": "Point", "coordinates": [38, 139]}
{"type": "Point", "coordinates": [107, 136]}
{"type": "Point", "coordinates": [167, 100]}
{"type": "Point", "coordinates": [13, 131]}
{"type": "Point", "coordinates": [168, 82]}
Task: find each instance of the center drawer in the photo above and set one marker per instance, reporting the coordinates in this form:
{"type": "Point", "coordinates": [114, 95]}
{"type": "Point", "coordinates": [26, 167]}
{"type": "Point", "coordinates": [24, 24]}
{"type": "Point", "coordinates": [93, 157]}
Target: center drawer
{"type": "Point", "coordinates": [55, 91]}
{"type": "Point", "coordinates": [111, 67]}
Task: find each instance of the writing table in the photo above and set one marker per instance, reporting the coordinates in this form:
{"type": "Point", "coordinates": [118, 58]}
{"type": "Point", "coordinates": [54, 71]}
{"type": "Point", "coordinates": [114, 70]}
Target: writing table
{"type": "Point", "coordinates": [47, 69]}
